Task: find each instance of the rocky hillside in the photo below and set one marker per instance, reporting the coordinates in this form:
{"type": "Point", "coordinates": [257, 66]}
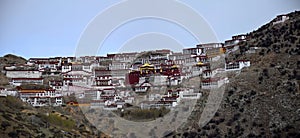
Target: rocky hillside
{"type": "Point", "coordinates": [3, 80]}
{"type": "Point", "coordinates": [18, 119]}
{"type": "Point", "coordinates": [263, 100]}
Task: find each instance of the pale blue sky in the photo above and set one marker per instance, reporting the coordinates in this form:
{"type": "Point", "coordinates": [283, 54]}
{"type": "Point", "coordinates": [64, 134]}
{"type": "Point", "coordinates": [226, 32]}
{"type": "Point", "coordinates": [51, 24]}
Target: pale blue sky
{"type": "Point", "coordinates": [40, 28]}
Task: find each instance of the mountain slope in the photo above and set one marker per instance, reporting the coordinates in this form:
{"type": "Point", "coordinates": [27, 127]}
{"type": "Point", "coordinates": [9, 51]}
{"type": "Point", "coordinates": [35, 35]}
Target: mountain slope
{"type": "Point", "coordinates": [262, 100]}
{"type": "Point", "coordinates": [18, 119]}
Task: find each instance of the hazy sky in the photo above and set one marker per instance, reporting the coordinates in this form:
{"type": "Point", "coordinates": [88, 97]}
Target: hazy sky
{"type": "Point", "coordinates": [40, 28]}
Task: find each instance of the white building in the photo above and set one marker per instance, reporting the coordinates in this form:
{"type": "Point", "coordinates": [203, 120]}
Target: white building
{"type": "Point", "coordinates": [141, 89]}
{"type": "Point", "coordinates": [193, 51]}
{"type": "Point", "coordinates": [189, 95]}
{"type": "Point", "coordinates": [56, 85]}
{"type": "Point", "coordinates": [23, 74]}
{"type": "Point", "coordinates": [280, 19]}
{"type": "Point", "coordinates": [103, 80]}
{"type": "Point", "coordinates": [81, 78]}
{"type": "Point", "coordinates": [233, 44]}
{"type": "Point", "coordinates": [116, 65]}
{"type": "Point", "coordinates": [157, 104]}
{"type": "Point", "coordinates": [66, 67]}
{"type": "Point", "coordinates": [237, 65]}
{"type": "Point", "coordinates": [211, 73]}
{"type": "Point", "coordinates": [212, 83]}
{"type": "Point", "coordinates": [3, 92]}
{"type": "Point", "coordinates": [108, 99]}
{"type": "Point", "coordinates": [125, 57]}
{"type": "Point", "coordinates": [41, 97]}
{"type": "Point", "coordinates": [186, 93]}
{"type": "Point", "coordinates": [20, 81]}
{"type": "Point", "coordinates": [207, 46]}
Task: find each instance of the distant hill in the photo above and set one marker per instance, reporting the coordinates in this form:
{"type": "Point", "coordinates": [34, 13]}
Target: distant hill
{"type": "Point", "coordinates": [11, 59]}
{"type": "Point", "coordinates": [262, 100]}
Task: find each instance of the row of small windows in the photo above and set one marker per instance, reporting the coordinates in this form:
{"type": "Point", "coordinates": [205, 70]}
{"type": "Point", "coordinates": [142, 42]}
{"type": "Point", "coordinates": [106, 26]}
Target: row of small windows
{"type": "Point", "coordinates": [209, 83]}
{"type": "Point", "coordinates": [233, 66]}
{"type": "Point", "coordinates": [103, 83]}
{"type": "Point", "coordinates": [191, 95]}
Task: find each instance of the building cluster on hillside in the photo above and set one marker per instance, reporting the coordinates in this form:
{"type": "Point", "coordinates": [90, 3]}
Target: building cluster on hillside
{"type": "Point", "coordinates": [115, 80]}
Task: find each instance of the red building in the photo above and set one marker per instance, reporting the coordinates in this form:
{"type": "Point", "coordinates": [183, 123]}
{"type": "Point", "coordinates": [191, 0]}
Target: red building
{"type": "Point", "coordinates": [133, 77]}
